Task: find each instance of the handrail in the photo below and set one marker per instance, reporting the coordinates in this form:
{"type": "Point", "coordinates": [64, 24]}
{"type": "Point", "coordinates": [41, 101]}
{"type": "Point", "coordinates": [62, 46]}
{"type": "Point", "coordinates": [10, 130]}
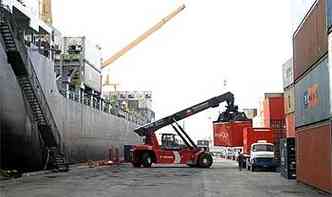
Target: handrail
{"type": "Point", "coordinates": [33, 79]}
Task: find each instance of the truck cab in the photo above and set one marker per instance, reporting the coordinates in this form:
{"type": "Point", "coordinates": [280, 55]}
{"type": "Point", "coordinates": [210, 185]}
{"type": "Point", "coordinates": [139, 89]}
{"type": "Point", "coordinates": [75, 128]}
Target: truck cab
{"type": "Point", "coordinates": [261, 156]}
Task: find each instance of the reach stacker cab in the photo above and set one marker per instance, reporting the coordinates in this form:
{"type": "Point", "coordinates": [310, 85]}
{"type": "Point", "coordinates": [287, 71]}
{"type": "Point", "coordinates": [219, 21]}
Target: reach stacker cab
{"type": "Point", "coordinates": [170, 151]}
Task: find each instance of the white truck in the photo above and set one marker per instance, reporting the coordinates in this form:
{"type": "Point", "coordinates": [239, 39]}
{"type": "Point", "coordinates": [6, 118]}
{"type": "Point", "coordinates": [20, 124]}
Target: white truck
{"type": "Point", "coordinates": [261, 156]}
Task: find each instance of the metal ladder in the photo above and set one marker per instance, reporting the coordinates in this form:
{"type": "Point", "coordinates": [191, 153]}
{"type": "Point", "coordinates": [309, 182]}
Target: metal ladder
{"type": "Point", "coordinates": [32, 91]}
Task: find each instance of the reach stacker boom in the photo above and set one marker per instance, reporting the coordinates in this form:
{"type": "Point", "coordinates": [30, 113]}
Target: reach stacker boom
{"type": "Point", "coordinates": [171, 151]}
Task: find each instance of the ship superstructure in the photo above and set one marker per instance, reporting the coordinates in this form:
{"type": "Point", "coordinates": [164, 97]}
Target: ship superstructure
{"type": "Point", "coordinates": [58, 112]}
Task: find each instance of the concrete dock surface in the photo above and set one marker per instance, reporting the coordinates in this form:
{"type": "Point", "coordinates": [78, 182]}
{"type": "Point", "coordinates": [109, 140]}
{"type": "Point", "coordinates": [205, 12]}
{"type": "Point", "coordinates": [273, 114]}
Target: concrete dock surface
{"type": "Point", "coordinates": [223, 180]}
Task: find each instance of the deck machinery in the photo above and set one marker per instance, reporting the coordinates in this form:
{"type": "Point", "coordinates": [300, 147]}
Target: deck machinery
{"type": "Point", "coordinates": [170, 151]}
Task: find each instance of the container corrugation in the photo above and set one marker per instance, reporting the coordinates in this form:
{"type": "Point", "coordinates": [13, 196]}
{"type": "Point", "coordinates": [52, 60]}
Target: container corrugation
{"type": "Point", "coordinates": [229, 134]}
{"type": "Point", "coordinates": [312, 96]}
{"type": "Point", "coordinates": [289, 100]}
{"type": "Point", "coordinates": [310, 41]}
{"type": "Point", "coordinates": [288, 73]}
{"type": "Point", "coordinates": [314, 150]}
{"type": "Point", "coordinates": [252, 135]}
{"type": "Point", "coordinates": [290, 125]}
{"type": "Point", "coordinates": [273, 108]}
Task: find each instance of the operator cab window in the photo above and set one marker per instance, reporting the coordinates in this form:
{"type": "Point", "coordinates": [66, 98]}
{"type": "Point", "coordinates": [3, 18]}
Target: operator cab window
{"type": "Point", "coordinates": [170, 141]}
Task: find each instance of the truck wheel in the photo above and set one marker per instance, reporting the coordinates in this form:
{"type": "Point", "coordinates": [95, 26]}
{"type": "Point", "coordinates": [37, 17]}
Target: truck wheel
{"type": "Point", "coordinates": [136, 164]}
{"type": "Point", "coordinates": [205, 161]}
{"type": "Point", "coordinates": [147, 160]}
{"type": "Point", "coordinates": [191, 165]}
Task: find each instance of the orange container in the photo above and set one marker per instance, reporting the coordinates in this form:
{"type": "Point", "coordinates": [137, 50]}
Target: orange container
{"type": "Point", "coordinates": [290, 125]}
{"type": "Point", "coordinates": [229, 134]}
{"type": "Point", "coordinates": [310, 40]}
{"type": "Point", "coordinates": [273, 108]}
{"type": "Point", "coordinates": [252, 135]}
{"type": "Point", "coordinates": [313, 159]}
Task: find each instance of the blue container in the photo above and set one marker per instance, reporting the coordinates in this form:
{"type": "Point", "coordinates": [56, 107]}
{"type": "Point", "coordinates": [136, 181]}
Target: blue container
{"type": "Point", "coordinates": [329, 14]}
{"type": "Point", "coordinates": [312, 95]}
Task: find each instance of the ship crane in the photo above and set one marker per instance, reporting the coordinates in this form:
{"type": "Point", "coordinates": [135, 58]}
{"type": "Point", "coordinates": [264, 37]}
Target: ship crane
{"type": "Point", "coordinates": [142, 37]}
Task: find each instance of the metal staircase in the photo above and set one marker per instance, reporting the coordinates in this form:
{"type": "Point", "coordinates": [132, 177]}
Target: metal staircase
{"type": "Point", "coordinates": [31, 89]}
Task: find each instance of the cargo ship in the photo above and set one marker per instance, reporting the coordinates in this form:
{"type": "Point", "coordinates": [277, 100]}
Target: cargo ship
{"type": "Point", "coordinates": [51, 110]}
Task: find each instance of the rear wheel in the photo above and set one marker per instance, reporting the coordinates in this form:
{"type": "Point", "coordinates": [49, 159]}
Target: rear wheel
{"type": "Point", "coordinates": [147, 160]}
{"type": "Point", "coordinates": [205, 160]}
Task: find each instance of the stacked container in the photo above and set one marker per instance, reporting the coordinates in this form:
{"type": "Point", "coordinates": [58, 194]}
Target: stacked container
{"type": "Point", "coordinates": [253, 135]}
{"type": "Point", "coordinates": [313, 97]}
{"type": "Point", "coordinates": [289, 97]}
{"type": "Point", "coordinates": [274, 118]}
{"type": "Point", "coordinates": [288, 158]}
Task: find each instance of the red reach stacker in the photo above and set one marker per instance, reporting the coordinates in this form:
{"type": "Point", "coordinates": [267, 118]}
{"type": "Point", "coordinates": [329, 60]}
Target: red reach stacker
{"type": "Point", "coordinates": [170, 151]}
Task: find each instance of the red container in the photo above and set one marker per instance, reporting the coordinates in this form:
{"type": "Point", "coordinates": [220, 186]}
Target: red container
{"type": "Point", "coordinates": [310, 41]}
{"type": "Point", "coordinates": [313, 160]}
{"type": "Point", "coordinates": [252, 135]}
{"type": "Point", "coordinates": [229, 134]}
{"type": "Point", "coordinates": [273, 108]}
{"type": "Point", "coordinates": [290, 125]}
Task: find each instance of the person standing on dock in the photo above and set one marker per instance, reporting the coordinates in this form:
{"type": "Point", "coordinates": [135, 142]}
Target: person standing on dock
{"type": "Point", "coordinates": [240, 160]}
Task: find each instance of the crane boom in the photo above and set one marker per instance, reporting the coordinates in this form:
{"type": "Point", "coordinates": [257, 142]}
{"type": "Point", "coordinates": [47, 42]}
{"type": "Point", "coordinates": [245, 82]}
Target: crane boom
{"type": "Point", "coordinates": [46, 11]}
{"type": "Point", "coordinates": [213, 102]}
{"type": "Point", "coordinates": [142, 37]}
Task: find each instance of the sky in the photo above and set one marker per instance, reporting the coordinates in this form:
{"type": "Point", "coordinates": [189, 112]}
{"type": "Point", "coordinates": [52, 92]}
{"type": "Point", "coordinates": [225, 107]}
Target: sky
{"type": "Point", "coordinates": [187, 61]}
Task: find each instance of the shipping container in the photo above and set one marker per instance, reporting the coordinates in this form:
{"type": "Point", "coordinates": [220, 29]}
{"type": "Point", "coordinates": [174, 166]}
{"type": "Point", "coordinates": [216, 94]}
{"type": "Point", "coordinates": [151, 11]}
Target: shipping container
{"type": "Point", "coordinates": [288, 158]}
{"type": "Point", "coordinates": [273, 107]}
{"type": "Point", "coordinates": [329, 15]}
{"type": "Point", "coordinates": [252, 135]}
{"type": "Point", "coordinates": [314, 150]}
{"type": "Point", "coordinates": [229, 134]}
{"type": "Point", "coordinates": [290, 125]}
{"type": "Point", "coordinates": [288, 73]}
{"type": "Point", "coordinates": [310, 41]}
{"type": "Point", "coordinates": [312, 96]}
{"type": "Point", "coordinates": [289, 100]}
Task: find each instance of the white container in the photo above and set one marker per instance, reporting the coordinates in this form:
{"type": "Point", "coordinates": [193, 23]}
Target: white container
{"type": "Point", "coordinates": [288, 73]}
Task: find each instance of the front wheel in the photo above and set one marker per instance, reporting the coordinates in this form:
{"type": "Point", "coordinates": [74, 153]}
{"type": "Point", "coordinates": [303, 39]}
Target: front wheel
{"type": "Point", "coordinates": [147, 160]}
{"type": "Point", "coordinates": [205, 160]}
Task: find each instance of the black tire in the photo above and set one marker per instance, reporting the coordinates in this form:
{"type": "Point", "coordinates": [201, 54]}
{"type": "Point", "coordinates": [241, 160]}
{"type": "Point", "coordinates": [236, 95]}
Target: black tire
{"type": "Point", "coordinates": [192, 165]}
{"type": "Point", "coordinates": [205, 160]}
{"type": "Point", "coordinates": [147, 160]}
{"type": "Point", "coordinates": [136, 164]}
